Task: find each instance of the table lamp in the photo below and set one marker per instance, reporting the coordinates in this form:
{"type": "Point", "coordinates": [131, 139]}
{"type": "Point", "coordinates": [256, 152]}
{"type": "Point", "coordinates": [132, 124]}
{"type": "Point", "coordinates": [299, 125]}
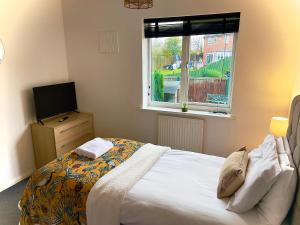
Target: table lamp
{"type": "Point", "coordinates": [278, 126]}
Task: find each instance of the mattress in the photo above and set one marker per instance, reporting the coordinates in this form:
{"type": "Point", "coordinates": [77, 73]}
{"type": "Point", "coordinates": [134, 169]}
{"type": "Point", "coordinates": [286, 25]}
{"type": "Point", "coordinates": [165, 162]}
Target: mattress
{"type": "Point", "coordinates": [180, 189]}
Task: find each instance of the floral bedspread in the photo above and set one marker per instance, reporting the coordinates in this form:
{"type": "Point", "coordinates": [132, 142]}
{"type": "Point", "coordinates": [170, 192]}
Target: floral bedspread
{"type": "Point", "coordinates": [57, 193]}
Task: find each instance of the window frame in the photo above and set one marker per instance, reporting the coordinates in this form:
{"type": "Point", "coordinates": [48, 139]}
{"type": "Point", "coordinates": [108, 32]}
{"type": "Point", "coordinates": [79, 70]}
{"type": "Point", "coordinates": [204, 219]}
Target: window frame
{"type": "Point", "coordinates": [197, 106]}
{"type": "Point", "coordinates": [208, 55]}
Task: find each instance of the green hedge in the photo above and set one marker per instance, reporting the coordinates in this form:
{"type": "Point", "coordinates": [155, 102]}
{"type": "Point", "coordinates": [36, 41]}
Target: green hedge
{"type": "Point", "coordinates": [217, 69]}
{"type": "Point", "coordinates": [158, 86]}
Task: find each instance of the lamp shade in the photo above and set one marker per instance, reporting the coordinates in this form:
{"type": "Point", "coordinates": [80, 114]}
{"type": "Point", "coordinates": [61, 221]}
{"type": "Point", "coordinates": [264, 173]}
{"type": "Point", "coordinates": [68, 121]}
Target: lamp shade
{"type": "Point", "coordinates": [279, 126]}
{"type": "Point", "coordinates": [138, 4]}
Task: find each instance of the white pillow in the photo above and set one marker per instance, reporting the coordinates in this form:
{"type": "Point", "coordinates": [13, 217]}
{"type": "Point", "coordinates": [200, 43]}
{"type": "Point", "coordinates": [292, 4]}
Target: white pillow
{"type": "Point", "coordinates": [276, 203]}
{"type": "Point", "coordinates": [262, 172]}
{"type": "Point", "coordinates": [268, 147]}
{"type": "Point", "coordinates": [280, 145]}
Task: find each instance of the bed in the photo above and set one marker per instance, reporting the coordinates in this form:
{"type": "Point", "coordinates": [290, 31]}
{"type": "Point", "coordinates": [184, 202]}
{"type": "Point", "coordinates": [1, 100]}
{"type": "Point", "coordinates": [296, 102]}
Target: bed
{"type": "Point", "coordinates": [74, 190]}
{"type": "Point", "coordinates": [155, 200]}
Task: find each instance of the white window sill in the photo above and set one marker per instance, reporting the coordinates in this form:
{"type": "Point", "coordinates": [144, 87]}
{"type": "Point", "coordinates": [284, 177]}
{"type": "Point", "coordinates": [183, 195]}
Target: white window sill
{"type": "Point", "coordinates": [193, 113]}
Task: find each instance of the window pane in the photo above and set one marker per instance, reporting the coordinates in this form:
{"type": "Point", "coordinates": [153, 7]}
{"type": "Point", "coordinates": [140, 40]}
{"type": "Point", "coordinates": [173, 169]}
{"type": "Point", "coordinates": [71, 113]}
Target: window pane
{"type": "Point", "coordinates": [210, 68]}
{"type": "Point", "coordinates": [166, 69]}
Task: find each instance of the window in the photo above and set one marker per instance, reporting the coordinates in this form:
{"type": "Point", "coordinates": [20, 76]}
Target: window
{"type": "Point", "coordinates": [212, 40]}
{"type": "Point", "coordinates": [191, 61]}
{"type": "Point", "coordinates": [228, 38]}
{"type": "Point", "coordinates": [209, 58]}
{"type": "Point", "coordinates": [166, 69]}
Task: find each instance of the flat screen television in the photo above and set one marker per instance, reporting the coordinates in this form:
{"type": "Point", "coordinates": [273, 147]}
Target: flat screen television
{"type": "Point", "coordinates": [54, 99]}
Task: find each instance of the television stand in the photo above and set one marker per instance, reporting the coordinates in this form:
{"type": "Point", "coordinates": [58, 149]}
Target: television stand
{"type": "Point", "coordinates": [59, 135]}
{"type": "Point", "coordinates": [63, 119]}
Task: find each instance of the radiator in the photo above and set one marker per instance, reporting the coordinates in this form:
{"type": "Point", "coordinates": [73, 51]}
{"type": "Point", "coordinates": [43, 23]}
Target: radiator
{"type": "Point", "coordinates": [180, 133]}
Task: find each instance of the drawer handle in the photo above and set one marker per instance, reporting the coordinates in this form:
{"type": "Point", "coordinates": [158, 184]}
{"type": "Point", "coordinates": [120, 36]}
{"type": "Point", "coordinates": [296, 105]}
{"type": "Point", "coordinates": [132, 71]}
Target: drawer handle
{"type": "Point", "coordinates": [65, 145]}
{"type": "Point", "coordinates": [77, 125]}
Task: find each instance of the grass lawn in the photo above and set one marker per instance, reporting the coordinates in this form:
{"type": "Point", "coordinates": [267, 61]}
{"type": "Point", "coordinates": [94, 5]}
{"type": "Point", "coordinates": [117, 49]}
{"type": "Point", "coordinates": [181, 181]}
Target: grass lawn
{"type": "Point", "coordinates": [170, 72]}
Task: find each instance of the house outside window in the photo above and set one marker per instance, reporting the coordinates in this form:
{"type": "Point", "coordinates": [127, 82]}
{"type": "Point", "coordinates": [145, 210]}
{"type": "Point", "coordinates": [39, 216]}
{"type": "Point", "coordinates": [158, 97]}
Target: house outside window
{"type": "Point", "coordinates": [211, 40]}
{"type": "Point", "coordinates": [228, 38]}
{"type": "Point", "coordinates": [193, 69]}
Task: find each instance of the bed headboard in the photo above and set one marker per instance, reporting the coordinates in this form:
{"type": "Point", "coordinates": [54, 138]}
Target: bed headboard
{"type": "Point", "coordinates": [293, 136]}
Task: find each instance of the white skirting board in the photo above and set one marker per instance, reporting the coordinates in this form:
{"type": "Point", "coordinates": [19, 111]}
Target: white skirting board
{"type": "Point", "coordinates": [12, 182]}
{"type": "Point", "coordinates": [180, 133]}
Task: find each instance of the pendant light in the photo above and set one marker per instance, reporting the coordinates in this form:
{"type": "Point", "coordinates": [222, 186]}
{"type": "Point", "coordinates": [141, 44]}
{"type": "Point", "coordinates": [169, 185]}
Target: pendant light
{"type": "Point", "coordinates": [138, 4]}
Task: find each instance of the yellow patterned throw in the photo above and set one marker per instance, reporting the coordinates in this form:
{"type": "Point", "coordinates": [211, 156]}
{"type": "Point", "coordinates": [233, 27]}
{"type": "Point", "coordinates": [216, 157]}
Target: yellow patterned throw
{"type": "Point", "coordinates": [57, 193]}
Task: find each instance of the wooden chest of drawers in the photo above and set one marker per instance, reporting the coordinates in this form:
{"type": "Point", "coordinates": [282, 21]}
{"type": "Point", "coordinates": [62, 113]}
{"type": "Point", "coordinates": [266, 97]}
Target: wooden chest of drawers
{"type": "Point", "coordinates": [57, 137]}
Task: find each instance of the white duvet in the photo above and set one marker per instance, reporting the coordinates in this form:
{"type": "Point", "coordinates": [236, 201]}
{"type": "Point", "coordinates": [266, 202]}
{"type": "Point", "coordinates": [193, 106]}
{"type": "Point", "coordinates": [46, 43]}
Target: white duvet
{"type": "Point", "coordinates": [157, 186]}
{"type": "Point", "coordinates": [180, 189]}
{"type": "Point", "coordinates": [104, 200]}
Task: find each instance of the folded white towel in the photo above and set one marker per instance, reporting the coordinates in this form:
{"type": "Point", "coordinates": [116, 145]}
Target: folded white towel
{"type": "Point", "coordinates": [94, 148]}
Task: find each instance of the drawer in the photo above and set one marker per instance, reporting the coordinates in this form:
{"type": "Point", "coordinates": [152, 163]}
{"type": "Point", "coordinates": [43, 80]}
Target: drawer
{"type": "Point", "coordinates": [73, 131]}
{"type": "Point", "coordinates": [64, 147]}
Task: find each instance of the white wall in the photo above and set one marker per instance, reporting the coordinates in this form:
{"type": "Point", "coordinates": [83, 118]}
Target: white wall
{"type": "Point", "coordinates": [110, 86]}
{"type": "Point", "coordinates": [32, 31]}
{"type": "Point", "coordinates": [296, 88]}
